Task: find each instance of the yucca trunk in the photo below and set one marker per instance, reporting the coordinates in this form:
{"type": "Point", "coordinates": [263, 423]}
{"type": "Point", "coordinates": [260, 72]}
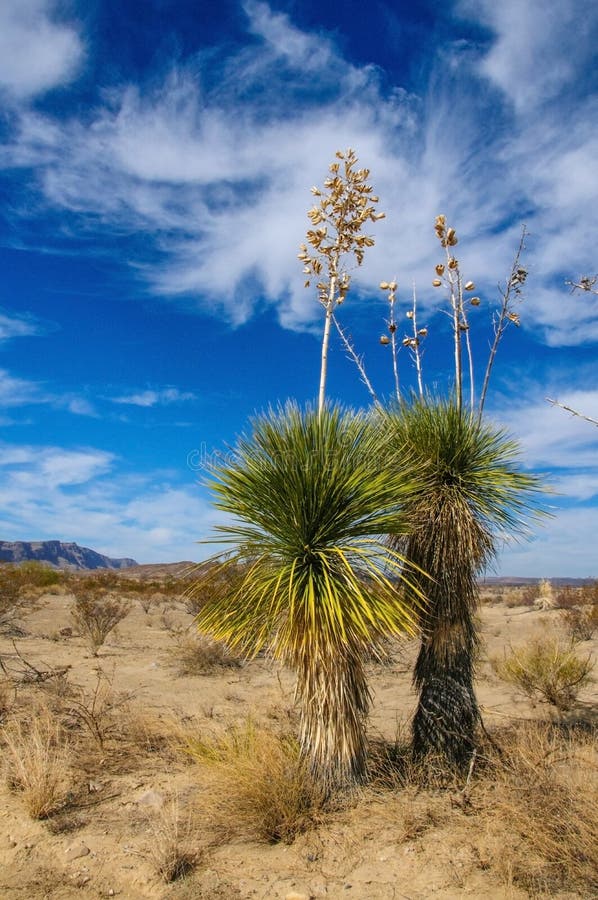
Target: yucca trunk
{"type": "Point", "coordinates": [334, 701]}
{"type": "Point", "coordinates": [449, 545]}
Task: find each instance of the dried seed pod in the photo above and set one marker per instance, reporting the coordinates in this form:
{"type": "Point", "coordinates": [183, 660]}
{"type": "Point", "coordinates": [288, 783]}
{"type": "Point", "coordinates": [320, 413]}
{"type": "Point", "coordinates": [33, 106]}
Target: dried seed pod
{"type": "Point", "coordinates": [406, 342]}
{"type": "Point", "coordinates": [409, 313]}
{"type": "Point", "coordinates": [384, 339]}
{"type": "Point", "coordinates": [423, 332]}
{"type": "Point", "coordinates": [440, 269]}
{"type": "Point", "coordinates": [392, 327]}
{"type": "Point", "coordinates": [470, 286]}
{"type": "Point", "coordinates": [453, 263]}
{"type": "Point", "coordinates": [440, 221]}
{"type": "Point", "coordinates": [451, 237]}
{"type": "Point", "coordinates": [384, 285]}
{"type": "Point", "coordinates": [437, 282]}
{"type": "Point", "coordinates": [392, 286]}
{"type": "Point", "coordinates": [475, 301]}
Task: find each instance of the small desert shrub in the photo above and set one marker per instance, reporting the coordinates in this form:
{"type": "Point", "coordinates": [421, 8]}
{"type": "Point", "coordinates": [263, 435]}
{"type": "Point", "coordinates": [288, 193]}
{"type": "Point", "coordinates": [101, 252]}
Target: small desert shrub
{"type": "Point", "coordinates": [172, 854]}
{"type": "Point", "coordinates": [567, 597]}
{"type": "Point", "coordinates": [37, 759]}
{"type": "Point", "coordinates": [525, 596]}
{"type": "Point", "coordinates": [589, 593]}
{"type": "Point", "coordinates": [544, 668]}
{"type": "Point", "coordinates": [11, 594]}
{"type": "Point", "coordinates": [581, 623]}
{"type": "Point", "coordinates": [96, 611]}
{"type": "Point", "coordinates": [256, 785]}
{"type": "Point", "coordinates": [97, 712]}
{"type": "Point", "coordinates": [201, 655]}
{"type": "Point", "coordinates": [536, 810]}
{"type": "Point", "coordinates": [36, 574]}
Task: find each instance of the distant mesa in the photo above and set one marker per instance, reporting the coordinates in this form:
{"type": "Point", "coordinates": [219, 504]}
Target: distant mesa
{"type": "Point", "coordinates": [59, 555]}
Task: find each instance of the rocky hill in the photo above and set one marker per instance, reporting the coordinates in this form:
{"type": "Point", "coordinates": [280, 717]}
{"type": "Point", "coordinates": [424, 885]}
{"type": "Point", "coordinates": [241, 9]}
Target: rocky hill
{"type": "Point", "coordinates": [59, 555]}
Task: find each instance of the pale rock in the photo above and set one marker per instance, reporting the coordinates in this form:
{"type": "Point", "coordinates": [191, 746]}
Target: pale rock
{"type": "Point", "coordinates": [76, 851]}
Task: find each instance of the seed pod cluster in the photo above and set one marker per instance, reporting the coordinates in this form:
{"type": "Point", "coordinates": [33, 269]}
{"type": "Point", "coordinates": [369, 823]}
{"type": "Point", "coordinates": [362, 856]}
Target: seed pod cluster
{"type": "Point", "coordinates": [345, 205]}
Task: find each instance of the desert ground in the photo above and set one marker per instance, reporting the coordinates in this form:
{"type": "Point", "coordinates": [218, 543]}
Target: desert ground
{"type": "Point", "coordinates": [135, 803]}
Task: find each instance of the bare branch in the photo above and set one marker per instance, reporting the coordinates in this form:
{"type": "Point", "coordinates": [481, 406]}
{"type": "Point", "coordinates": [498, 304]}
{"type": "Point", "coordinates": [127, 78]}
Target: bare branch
{"type": "Point", "coordinates": [573, 412]}
{"type": "Point", "coordinates": [505, 315]}
{"type": "Point", "coordinates": [358, 360]}
{"type": "Point", "coordinates": [586, 283]}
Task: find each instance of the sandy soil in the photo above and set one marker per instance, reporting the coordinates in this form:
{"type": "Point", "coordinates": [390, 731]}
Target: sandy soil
{"type": "Point", "coordinates": [102, 847]}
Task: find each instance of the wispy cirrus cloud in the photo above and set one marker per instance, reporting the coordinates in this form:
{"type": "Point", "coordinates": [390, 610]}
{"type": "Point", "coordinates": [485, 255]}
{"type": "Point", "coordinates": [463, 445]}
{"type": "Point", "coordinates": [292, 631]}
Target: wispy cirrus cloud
{"type": "Point", "coordinates": [16, 392]}
{"type": "Point", "coordinates": [13, 326]}
{"type": "Point", "coordinates": [148, 398]}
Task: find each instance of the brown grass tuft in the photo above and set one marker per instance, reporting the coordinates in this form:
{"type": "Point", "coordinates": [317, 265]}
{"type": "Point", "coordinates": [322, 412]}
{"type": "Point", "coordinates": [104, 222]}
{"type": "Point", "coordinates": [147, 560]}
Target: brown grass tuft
{"type": "Point", "coordinates": [256, 785]}
{"type": "Point", "coordinates": [38, 763]}
{"type": "Point", "coordinates": [172, 853]}
{"type": "Point", "coordinates": [202, 655]}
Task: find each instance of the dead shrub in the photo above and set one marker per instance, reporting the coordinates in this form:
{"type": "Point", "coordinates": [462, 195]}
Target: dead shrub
{"type": "Point", "coordinates": [97, 712]}
{"type": "Point", "coordinates": [38, 763]}
{"type": "Point", "coordinates": [580, 623]}
{"type": "Point", "coordinates": [546, 669]}
{"type": "Point", "coordinates": [201, 655]}
{"type": "Point", "coordinates": [567, 597]}
{"type": "Point", "coordinates": [589, 592]}
{"type": "Point", "coordinates": [96, 611]}
{"type": "Point", "coordinates": [256, 785]}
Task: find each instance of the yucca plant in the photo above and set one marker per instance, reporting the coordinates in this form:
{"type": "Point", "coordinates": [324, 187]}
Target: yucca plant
{"type": "Point", "coordinates": [471, 494]}
{"type": "Point", "coordinates": [315, 580]}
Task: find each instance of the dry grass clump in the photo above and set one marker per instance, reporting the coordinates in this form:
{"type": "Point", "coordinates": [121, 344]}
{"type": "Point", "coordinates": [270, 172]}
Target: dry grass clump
{"type": "Point", "coordinates": [256, 785]}
{"type": "Point", "coordinates": [97, 611]}
{"type": "Point", "coordinates": [536, 810]}
{"type": "Point", "coordinates": [37, 761]}
{"type": "Point", "coordinates": [546, 669]}
{"type": "Point", "coordinates": [201, 655]}
{"type": "Point", "coordinates": [172, 853]}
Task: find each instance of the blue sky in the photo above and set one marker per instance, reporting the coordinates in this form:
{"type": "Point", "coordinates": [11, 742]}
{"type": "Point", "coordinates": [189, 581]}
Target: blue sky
{"type": "Point", "coordinates": [156, 160]}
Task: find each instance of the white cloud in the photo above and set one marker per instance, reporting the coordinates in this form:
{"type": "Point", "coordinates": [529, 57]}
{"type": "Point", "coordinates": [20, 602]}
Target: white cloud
{"type": "Point", "coordinates": [537, 46]}
{"type": "Point", "coordinates": [155, 398]}
{"type": "Point", "coordinates": [37, 53]}
{"type": "Point", "coordinates": [47, 468]}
